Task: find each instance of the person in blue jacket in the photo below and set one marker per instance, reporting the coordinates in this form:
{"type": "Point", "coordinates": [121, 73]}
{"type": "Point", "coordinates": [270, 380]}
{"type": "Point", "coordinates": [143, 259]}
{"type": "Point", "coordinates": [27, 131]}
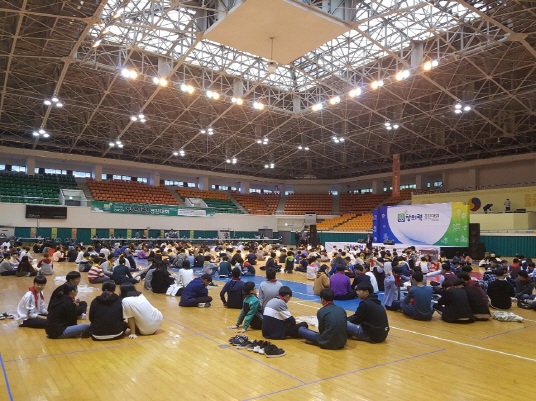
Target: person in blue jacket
{"type": "Point", "coordinates": [234, 291]}
{"type": "Point", "coordinates": [196, 293]}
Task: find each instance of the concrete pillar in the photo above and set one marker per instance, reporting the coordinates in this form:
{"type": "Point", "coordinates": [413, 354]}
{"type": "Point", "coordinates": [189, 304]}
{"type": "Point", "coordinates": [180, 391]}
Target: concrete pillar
{"type": "Point", "coordinates": [154, 178]}
{"type": "Point", "coordinates": [202, 183]}
{"type": "Point", "coordinates": [376, 184]}
{"type": "Point", "coordinates": [30, 166]}
{"type": "Point", "coordinates": [418, 181]}
{"type": "Point", "coordinates": [471, 178]}
{"type": "Point", "coordinates": [96, 172]}
{"type": "Point", "coordinates": [244, 187]}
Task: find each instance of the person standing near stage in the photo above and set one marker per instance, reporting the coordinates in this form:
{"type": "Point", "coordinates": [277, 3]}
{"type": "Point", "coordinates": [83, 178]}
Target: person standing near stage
{"type": "Point", "coordinates": [507, 205]}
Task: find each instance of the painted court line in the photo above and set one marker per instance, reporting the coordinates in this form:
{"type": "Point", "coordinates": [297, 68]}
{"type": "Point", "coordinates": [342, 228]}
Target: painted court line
{"type": "Point", "coordinates": [5, 378]}
{"type": "Point", "coordinates": [345, 374]}
{"type": "Point", "coordinates": [466, 345]}
{"type": "Point", "coordinates": [509, 331]}
{"type": "Point", "coordinates": [234, 350]}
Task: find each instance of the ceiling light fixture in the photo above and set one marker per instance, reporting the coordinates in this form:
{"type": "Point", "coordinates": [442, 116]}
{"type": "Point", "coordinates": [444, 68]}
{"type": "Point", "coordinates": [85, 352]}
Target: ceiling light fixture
{"type": "Point", "coordinates": [237, 101]}
{"type": "Point", "coordinates": [376, 84]}
{"type": "Point", "coordinates": [335, 100]}
{"type": "Point", "coordinates": [338, 139]}
{"type": "Point", "coordinates": [317, 107]}
{"type": "Point", "coordinates": [175, 153]}
{"type": "Point", "coordinates": [402, 75]}
{"type": "Point", "coordinates": [258, 106]}
{"type": "Point", "coordinates": [127, 73]}
{"type": "Point", "coordinates": [97, 43]}
{"type": "Point", "coordinates": [271, 64]}
{"type": "Point", "coordinates": [47, 102]}
{"type": "Point", "coordinates": [355, 92]}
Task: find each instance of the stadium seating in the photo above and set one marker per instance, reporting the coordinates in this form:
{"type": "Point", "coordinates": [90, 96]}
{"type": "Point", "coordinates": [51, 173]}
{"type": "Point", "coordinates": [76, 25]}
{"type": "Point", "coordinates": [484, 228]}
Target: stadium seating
{"type": "Point", "coordinates": [129, 192]}
{"type": "Point", "coordinates": [314, 202]}
{"type": "Point", "coordinates": [358, 223]}
{"type": "Point", "coordinates": [256, 203]}
{"type": "Point", "coordinates": [405, 194]}
{"type": "Point", "coordinates": [355, 203]}
{"type": "Point", "coordinates": [217, 200]}
{"type": "Point", "coordinates": [37, 189]}
{"type": "Point", "coordinates": [329, 224]}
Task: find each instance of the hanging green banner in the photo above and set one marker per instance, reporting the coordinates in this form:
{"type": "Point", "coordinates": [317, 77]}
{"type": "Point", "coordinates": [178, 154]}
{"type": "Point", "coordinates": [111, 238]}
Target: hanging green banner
{"type": "Point", "coordinates": [154, 210]}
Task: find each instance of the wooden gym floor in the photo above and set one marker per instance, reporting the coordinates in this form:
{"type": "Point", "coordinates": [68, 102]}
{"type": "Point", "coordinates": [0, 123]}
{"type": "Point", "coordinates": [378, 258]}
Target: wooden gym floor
{"type": "Point", "coordinates": [189, 358]}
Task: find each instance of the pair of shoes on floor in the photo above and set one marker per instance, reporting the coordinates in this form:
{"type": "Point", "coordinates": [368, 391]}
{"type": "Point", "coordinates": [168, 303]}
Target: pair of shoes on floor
{"type": "Point", "coordinates": [5, 315]}
{"type": "Point", "coordinates": [240, 341]}
{"type": "Point", "coordinates": [266, 348]}
{"type": "Point", "coordinates": [525, 303]}
{"type": "Point", "coordinates": [203, 305]}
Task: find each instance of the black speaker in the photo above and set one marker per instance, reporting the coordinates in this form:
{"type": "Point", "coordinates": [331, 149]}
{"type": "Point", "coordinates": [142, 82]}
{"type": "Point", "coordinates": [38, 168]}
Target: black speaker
{"type": "Point", "coordinates": [451, 251]}
{"type": "Point", "coordinates": [477, 250]}
{"type": "Point", "coordinates": [474, 232]}
{"type": "Point", "coordinates": [312, 231]}
{"type": "Point", "coordinates": [314, 241]}
{"type": "Point", "coordinates": [389, 242]}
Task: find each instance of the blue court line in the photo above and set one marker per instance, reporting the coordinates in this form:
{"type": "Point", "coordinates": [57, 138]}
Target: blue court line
{"type": "Point", "coordinates": [5, 378]}
{"type": "Point", "coordinates": [345, 374]}
{"type": "Point", "coordinates": [234, 350]}
{"type": "Point", "coordinates": [509, 331]}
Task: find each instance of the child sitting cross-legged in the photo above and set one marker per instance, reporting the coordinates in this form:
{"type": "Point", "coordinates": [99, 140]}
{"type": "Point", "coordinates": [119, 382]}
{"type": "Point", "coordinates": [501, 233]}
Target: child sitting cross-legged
{"type": "Point", "coordinates": [249, 314]}
{"type": "Point", "coordinates": [32, 309]}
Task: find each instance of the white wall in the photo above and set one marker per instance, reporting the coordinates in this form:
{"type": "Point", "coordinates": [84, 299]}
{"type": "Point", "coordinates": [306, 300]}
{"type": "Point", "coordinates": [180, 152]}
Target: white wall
{"type": "Point", "coordinates": [13, 215]}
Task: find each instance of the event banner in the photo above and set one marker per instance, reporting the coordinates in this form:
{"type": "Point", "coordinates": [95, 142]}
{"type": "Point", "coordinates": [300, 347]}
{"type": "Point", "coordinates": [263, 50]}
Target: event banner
{"type": "Point", "coordinates": [441, 224]}
{"type": "Point", "coordinates": [155, 210]}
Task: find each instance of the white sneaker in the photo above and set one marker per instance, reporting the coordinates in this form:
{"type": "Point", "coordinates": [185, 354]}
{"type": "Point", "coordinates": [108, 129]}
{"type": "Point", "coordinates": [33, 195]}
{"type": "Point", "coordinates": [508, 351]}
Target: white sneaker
{"type": "Point", "coordinates": [82, 316]}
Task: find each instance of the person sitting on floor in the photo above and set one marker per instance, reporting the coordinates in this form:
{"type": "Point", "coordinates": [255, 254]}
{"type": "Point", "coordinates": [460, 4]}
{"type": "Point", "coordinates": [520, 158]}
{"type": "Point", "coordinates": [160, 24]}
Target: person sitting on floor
{"type": "Point", "coordinates": [122, 273]}
{"type": "Point", "coordinates": [62, 314]}
{"type": "Point", "coordinates": [321, 279]}
{"type": "Point", "coordinates": [196, 293]}
{"type": "Point", "coordinates": [142, 317]}
{"type": "Point", "coordinates": [234, 291]}
{"type": "Point", "coordinates": [161, 279]}
{"type": "Point", "coordinates": [277, 322]}
{"type": "Point", "coordinates": [340, 284]}
{"type": "Point", "coordinates": [250, 313]}
{"type": "Point", "coordinates": [500, 291]}
{"type": "Point", "coordinates": [453, 306]}
{"type": "Point", "coordinates": [31, 309]}
{"type": "Point", "coordinates": [418, 303]}
{"type": "Point", "coordinates": [74, 279]}
{"type": "Point", "coordinates": [331, 324]}
{"type": "Point", "coordinates": [5, 266]}
{"type": "Point", "coordinates": [106, 314]}
{"type": "Point", "coordinates": [478, 300]}
{"type": "Point", "coordinates": [25, 268]}
{"type": "Point", "coordinates": [369, 322]}
{"type": "Point", "coordinates": [45, 267]}
{"type": "Point", "coordinates": [269, 289]}
{"type": "Point", "coordinates": [96, 274]}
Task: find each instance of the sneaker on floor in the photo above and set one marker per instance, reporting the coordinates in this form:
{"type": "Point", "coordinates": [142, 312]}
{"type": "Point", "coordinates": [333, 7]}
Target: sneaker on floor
{"type": "Point", "coordinates": [264, 346]}
{"type": "Point", "coordinates": [203, 305]}
{"type": "Point", "coordinates": [243, 344]}
{"type": "Point", "coordinates": [8, 315]}
{"type": "Point", "coordinates": [82, 316]}
{"type": "Point", "coordinates": [524, 304]}
{"type": "Point", "coordinates": [252, 345]}
{"type": "Point", "coordinates": [239, 339]}
{"type": "Point", "coordinates": [274, 352]}
{"type": "Point", "coordinates": [259, 346]}
{"type": "Point", "coordinates": [211, 284]}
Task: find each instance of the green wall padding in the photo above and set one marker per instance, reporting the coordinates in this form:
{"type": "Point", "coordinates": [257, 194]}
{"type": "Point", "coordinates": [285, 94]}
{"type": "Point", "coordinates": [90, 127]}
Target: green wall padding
{"type": "Point", "coordinates": [510, 246]}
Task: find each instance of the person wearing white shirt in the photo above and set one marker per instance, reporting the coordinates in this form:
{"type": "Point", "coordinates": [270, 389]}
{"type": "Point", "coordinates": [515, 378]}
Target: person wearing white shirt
{"type": "Point", "coordinates": [142, 317]}
{"type": "Point", "coordinates": [373, 280]}
{"type": "Point", "coordinates": [185, 276]}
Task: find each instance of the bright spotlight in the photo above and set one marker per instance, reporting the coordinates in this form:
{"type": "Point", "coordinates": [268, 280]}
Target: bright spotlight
{"type": "Point", "coordinates": [97, 43]}
{"type": "Point", "coordinates": [389, 128]}
{"type": "Point", "coordinates": [35, 133]}
{"type": "Point", "coordinates": [181, 152]}
{"type": "Point", "coordinates": [234, 160]}
{"type": "Point", "coordinates": [427, 66]}
{"type": "Point", "coordinates": [125, 72]}
{"type": "Point", "coordinates": [258, 105]}
{"type": "Point", "coordinates": [300, 147]}
{"type": "Point", "coordinates": [156, 81]}
{"type": "Point", "coordinates": [120, 145]}
{"type": "Point", "coordinates": [306, 148]}
{"type": "Point", "coordinates": [203, 131]}
{"type": "Point", "coordinates": [228, 161]}
{"type": "Point", "coordinates": [55, 99]}
{"type": "Point", "coordinates": [259, 141]}
{"type": "Point", "coordinates": [458, 106]}
{"type": "Point", "coordinates": [335, 100]}
{"type": "Point", "coordinates": [132, 74]}
{"type": "Point", "coordinates": [163, 82]}
{"type": "Point", "coordinates": [467, 108]}
{"type": "Point", "coordinates": [355, 92]}
{"type": "Point", "coordinates": [45, 135]}
{"type": "Point", "coordinates": [175, 153]}
{"type": "Point", "coordinates": [134, 118]}
{"type": "Point", "coordinates": [317, 107]}
{"type": "Point", "coordinates": [396, 126]}
{"type": "Point", "coordinates": [47, 102]}
{"type": "Point", "coordinates": [111, 144]}
{"type": "Point", "coordinates": [266, 166]}
{"type": "Point", "coordinates": [272, 165]}
{"type": "Point", "coordinates": [458, 111]}
{"type": "Point", "coordinates": [435, 63]}
{"type": "Point", "coordinates": [42, 131]}
{"type": "Point", "coordinates": [59, 104]}
{"type": "Point", "coordinates": [376, 84]}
